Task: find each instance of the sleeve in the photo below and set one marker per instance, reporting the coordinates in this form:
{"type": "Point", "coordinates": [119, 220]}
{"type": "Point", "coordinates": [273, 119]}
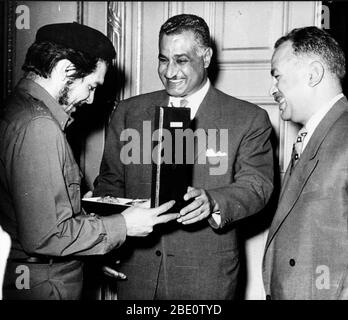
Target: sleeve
{"type": "Point", "coordinates": [252, 184]}
{"type": "Point", "coordinates": [111, 175]}
{"type": "Point", "coordinates": [44, 211]}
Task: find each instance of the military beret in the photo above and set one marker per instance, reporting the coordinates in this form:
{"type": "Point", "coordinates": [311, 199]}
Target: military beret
{"type": "Point", "coordinates": [78, 37]}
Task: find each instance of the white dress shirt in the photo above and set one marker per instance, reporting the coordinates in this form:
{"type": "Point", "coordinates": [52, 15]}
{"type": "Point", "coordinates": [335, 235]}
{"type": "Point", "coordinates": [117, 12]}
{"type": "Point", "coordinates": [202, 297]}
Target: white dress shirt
{"type": "Point", "coordinates": [194, 100]}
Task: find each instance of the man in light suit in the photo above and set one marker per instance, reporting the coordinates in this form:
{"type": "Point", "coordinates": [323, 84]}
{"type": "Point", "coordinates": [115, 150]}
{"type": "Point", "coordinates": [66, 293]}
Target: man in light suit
{"type": "Point", "coordinates": [197, 256]}
{"type": "Point", "coordinates": [306, 254]}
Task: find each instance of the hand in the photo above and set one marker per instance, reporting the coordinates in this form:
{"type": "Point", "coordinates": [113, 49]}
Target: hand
{"type": "Point", "coordinates": [5, 244]}
{"type": "Point", "coordinates": [140, 221]}
{"type": "Point", "coordinates": [113, 273]}
{"type": "Point", "coordinates": [146, 204]}
{"type": "Point", "coordinates": [199, 209]}
{"type": "Point", "coordinates": [88, 194]}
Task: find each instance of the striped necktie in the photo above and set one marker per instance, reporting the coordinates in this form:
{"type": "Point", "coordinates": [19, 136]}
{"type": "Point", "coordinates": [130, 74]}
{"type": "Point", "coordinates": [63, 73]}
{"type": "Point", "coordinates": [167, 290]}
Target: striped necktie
{"type": "Point", "coordinates": [183, 103]}
{"type": "Point", "coordinates": [297, 148]}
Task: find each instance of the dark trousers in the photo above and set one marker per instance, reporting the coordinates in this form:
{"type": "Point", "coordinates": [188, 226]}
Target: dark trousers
{"type": "Point", "coordinates": [51, 281]}
{"type": "Point", "coordinates": [211, 277]}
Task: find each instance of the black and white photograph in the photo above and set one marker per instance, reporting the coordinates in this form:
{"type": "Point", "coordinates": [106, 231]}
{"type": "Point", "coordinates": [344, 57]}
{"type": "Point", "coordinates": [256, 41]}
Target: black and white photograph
{"type": "Point", "coordinates": [173, 151]}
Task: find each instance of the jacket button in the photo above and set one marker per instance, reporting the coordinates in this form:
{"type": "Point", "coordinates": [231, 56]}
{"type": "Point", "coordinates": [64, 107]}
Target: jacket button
{"type": "Point", "coordinates": [292, 262]}
{"type": "Point", "coordinates": [158, 253]}
{"type": "Point", "coordinates": [268, 297]}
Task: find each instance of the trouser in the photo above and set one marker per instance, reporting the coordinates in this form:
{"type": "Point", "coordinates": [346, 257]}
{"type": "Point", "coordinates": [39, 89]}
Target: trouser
{"type": "Point", "coordinates": [194, 286]}
{"type": "Point", "coordinates": [35, 281]}
{"type": "Point", "coordinates": [209, 277]}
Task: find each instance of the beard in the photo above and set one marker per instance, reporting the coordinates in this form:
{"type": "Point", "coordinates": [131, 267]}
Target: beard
{"type": "Point", "coordinates": [64, 98]}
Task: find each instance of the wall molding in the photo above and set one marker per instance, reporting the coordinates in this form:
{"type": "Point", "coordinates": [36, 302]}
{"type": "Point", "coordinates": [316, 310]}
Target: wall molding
{"type": "Point", "coordinates": [11, 45]}
{"type": "Point", "coordinates": [245, 65]}
{"type": "Point", "coordinates": [116, 33]}
{"type": "Point", "coordinates": [210, 16]}
{"type": "Point", "coordinates": [80, 12]}
{"type": "Point", "coordinates": [139, 45]}
{"type": "Point", "coordinates": [260, 100]}
{"type": "Point", "coordinates": [174, 8]}
{"type": "Point", "coordinates": [317, 13]}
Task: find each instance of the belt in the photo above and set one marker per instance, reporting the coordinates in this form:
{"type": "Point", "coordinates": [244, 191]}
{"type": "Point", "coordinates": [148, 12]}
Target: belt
{"type": "Point", "coordinates": [44, 260]}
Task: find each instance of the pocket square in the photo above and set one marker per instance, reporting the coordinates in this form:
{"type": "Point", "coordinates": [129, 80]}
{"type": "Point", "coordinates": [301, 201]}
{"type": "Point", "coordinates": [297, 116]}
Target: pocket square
{"type": "Point", "coordinates": [212, 153]}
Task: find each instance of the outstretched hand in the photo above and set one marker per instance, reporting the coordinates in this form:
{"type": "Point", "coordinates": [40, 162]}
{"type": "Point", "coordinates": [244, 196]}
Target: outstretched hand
{"type": "Point", "coordinates": [199, 209]}
{"type": "Point", "coordinates": [140, 221]}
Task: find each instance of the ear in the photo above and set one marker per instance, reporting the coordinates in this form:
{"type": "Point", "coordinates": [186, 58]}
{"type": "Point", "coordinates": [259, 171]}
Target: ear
{"type": "Point", "coordinates": [316, 73]}
{"type": "Point", "coordinates": [64, 69]}
{"type": "Point", "coordinates": [208, 53]}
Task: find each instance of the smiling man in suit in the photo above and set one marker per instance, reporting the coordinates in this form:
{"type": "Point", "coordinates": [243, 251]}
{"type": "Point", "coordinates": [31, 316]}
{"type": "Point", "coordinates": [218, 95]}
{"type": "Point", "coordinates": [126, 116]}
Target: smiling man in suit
{"type": "Point", "coordinates": [306, 254]}
{"type": "Point", "coordinates": [197, 256]}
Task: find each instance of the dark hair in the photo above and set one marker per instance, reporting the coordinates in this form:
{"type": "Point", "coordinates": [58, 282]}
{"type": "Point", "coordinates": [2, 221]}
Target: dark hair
{"type": "Point", "coordinates": [42, 57]}
{"type": "Point", "coordinates": [312, 40]}
{"type": "Point", "coordinates": [187, 22]}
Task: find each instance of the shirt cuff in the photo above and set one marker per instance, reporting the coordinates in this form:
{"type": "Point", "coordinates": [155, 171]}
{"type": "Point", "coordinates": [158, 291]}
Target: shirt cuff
{"type": "Point", "coordinates": [215, 220]}
{"type": "Point", "coordinates": [216, 216]}
{"type": "Point", "coordinates": [116, 231]}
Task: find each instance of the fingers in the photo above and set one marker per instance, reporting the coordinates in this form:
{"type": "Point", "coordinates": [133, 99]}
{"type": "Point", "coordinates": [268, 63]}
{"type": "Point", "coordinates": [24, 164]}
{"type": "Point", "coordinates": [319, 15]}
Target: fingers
{"type": "Point", "coordinates": [113, 273]}
{"type": "Point", "coordinates": [88, 194]}
{"type": "Point", "coordinates": [166, 218]}
{"type": "Point", "coordinates": [192, 193]}
{"type": "Point", "coordinates": [198, 202]}
{"type": "Point", "coordinates": [145, 204]}
{"type": "Point", "coordinates": [189, 188]}
{"type": "Point", "coordinates": [163, 218]}
{"type": "Point", "coordinates": [198, 210]}
{"type": "Point", "coordinates": [194, 216]}
{"type": "Point", "coordinates": [163, 207]}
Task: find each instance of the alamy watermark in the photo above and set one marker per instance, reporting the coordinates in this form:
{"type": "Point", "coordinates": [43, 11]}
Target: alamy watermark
{"type": "Point", "coordinates": [23, 280]}
{"type": "Point", "coordinates": [198, 147]}
{"type": "Point", "coordinates": [23, 17]}
{"type": "Point", "coordinates": [325, 17]}
{"type": "Point", "coordinates": [322, 281]}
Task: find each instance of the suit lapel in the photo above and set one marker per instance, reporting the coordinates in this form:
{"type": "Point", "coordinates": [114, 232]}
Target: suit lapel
{"type": "Point", "coordinates": [293, 188]}
{"type": "Point", "coordinates": [208, 117]}
{"type": "Point", "coordinates": [161, 101]}
{"type": "Point", "coordinates": [294, 184]}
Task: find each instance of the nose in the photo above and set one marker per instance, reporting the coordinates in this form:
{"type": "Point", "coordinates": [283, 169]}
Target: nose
{"type": "Point", "coordinates": [274, 89]}
{"type": "Point", "coordinates": [171, 70]}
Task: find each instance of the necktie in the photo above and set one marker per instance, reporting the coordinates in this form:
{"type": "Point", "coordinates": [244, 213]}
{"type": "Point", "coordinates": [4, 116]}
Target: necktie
{"type": "Point", "coordinates": [297, 148]}
{"type": "Point", "coordinates": [183, 103]}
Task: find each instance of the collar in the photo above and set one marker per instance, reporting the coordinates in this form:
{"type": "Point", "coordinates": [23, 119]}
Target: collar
{"type": "Point", "coordinates": [39, 93]}
{"type": "Point", "coordinates": [194, 100]}
{"type": "Point", "coordinates": [315, 119]}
